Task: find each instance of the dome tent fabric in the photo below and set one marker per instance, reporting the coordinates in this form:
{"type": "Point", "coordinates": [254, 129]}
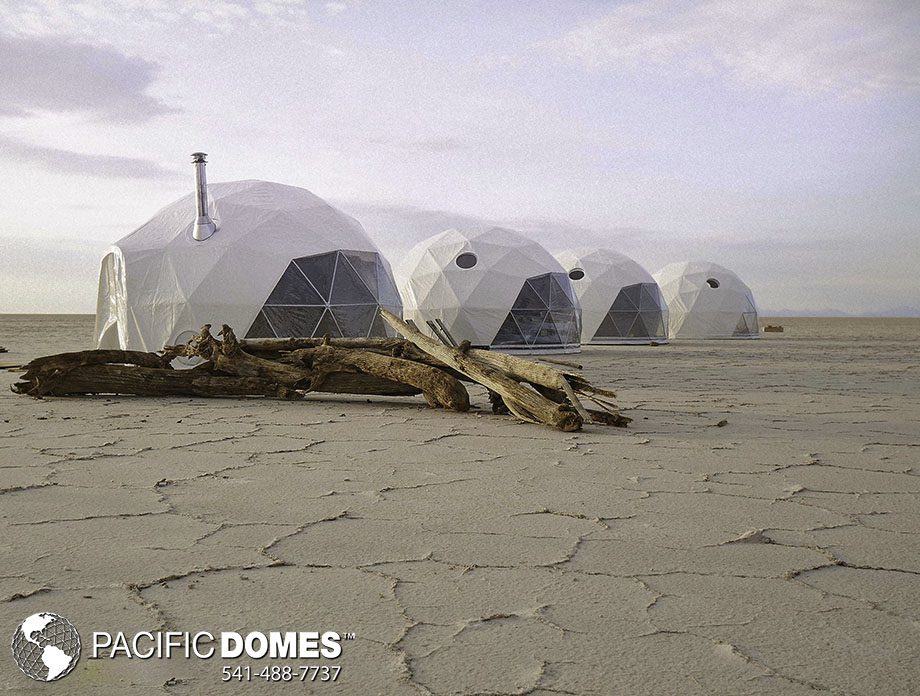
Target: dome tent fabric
{"type": "Point", "coordinates": [620, 301]}
{"type": "Point", "coordinates": [706, 300]}
{"type": "Point", "coordinates": [282, 262]}
{"type": "Point", "coordinates": [492, 287]}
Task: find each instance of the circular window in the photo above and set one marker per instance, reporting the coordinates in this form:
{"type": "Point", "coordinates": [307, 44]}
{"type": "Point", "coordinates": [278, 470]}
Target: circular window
{"type": "Point", "coordinates": [712, 282]}
{"type": "Point", "coordinates": [576, 274]}
{"type": "Point", "coordinates": [466, 260]}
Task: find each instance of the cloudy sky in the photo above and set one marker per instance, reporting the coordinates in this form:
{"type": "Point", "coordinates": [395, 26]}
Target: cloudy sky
{"type": "Point", "coordinates": [780, 138]}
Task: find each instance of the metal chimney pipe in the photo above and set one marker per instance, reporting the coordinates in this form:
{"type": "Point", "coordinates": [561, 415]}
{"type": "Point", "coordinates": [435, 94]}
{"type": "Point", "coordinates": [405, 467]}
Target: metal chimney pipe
{"type": "Point", "coordinates": [204, 225]}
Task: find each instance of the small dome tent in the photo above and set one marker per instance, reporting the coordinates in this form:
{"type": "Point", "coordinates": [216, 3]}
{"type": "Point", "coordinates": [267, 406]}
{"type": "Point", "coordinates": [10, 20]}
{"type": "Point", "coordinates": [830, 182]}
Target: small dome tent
{"type": "Point", "coordinates": [269, 260]}
{"type": "Point", "coordinates": [494, 288]}
{"type": "Point", "coordinates": [706, 300]}
{"type": "Point", "coordinates": [620, 301]}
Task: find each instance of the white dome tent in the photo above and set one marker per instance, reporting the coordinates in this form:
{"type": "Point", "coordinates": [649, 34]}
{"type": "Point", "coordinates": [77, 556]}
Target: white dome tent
{"type": "Point", "coordinates": [267, 259]}
{"type": "Point", "coordinates": [620, 301]}
{"type": "Point", "coordinates": [706, 300]}
{"type": "Point", "coordinates": [494, 288]}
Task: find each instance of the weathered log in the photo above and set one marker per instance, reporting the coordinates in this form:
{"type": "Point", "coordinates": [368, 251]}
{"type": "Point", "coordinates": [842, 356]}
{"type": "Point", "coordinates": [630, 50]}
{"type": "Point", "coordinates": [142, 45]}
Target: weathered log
{"type": "Point", "coordinates": [522, 401]}
{"type": "Point", "coordinates": [438, 387]}
{"type": "Point", "coordinates": [279, 345]}
{"type": "Point", "coordinates": [146, 381]}
{"type": "Point", "coordinates": [99, 357]}
{"type": "Point", "coordinates": [311, 368]}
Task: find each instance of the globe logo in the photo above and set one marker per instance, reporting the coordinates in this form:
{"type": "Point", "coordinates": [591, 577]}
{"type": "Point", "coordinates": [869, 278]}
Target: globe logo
{"type": "Point", "coordinates": [46, 646]}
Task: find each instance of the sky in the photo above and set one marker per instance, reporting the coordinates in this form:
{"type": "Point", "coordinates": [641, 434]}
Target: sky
{"type": "Point", "coordinates": [778, 138]}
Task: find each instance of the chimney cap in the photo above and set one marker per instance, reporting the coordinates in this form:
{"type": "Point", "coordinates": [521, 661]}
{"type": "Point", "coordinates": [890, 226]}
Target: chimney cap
{"type": "Point", "coordinates": [199, 157]}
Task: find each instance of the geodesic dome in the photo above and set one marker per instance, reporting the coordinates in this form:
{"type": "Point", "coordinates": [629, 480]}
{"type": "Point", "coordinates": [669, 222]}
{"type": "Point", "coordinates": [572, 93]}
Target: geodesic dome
{"type": "Point", "coordinates": [706, 300]}
{"type": "Point", "coordinates": [282, 262]}
{"type": "Point", "coordinates": [620, 301]}
{"type": "Point", "coordinates": [494, 288]}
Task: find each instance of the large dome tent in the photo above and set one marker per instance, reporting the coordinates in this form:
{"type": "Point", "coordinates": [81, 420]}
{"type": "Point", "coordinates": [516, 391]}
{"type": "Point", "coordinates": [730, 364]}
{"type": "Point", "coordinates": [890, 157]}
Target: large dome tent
{"type": "Point", "coordinates": [269, 260]}
{"type": "Point", "coordinates": [706, 300]}
{"type": "Point", "coordinates": [492, 287]}
{"type": "Point", "coordinates": [620, 301]}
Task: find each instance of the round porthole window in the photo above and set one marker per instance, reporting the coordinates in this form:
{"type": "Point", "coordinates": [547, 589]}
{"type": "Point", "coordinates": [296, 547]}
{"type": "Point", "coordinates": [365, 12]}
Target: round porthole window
{"type": "Point", "coordinates": [466, 260]}
{"type": "Point", "coordinates": [712, 282]}
{"type": "Point", "coordinates": [576, 274]}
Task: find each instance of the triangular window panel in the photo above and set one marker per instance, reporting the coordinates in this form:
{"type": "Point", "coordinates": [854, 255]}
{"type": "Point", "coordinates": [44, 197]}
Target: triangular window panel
{"type": "Point", "coordinates": [547, 335]}
{"type": "Point", "coordinates": [319, 270]}
{"type": "Point", "coordinates": [328, 326]}
{"type": "Point", "coordinates": [354, 320]}
{"type": "Point", "coordinates": [558, 297]}
{"type": "Point", "coordinates": [624, 301]}
{"type": "Point", "coordinates": [509, 334]}
{"type": "Point", "coordinates": [529, 321]}
{"type": "Point", "coordinates": [529, 298]}
{"type": "Point", "coordinates": [348, 288]}
{"type": "Point", "coordinates": [747, 325]}
{"type": "Point", "coordinates": [297, 322]}
{"type": "Point", "coordinates": [634, 293]}
{"type": "Point", "coordinates": [379, 328]}
{"type": "Point", "coordinates": [540, 284]}
{"type": "Point", "coordinates": [294, 289]}
{"type": "Point", "coordinates": [607, 329]}
{"type": "Point", "coordinates": [566, 323]}
{"type": "Point", "coordinates": [260, 328]}
{"type": "Point", "coordinates": [387, 294]}
{"type": "Point", "coordinates": [623, 321]}
{"type": "Point", "coordinates": [650, 323]}
{"type": "Point", "coordinates": [365, 263]}
{"type": "Point", "coordinates": [648, 297]}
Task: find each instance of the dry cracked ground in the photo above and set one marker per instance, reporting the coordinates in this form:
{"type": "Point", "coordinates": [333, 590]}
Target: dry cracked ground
{"type": "Point", "coordinates": [753, 532]}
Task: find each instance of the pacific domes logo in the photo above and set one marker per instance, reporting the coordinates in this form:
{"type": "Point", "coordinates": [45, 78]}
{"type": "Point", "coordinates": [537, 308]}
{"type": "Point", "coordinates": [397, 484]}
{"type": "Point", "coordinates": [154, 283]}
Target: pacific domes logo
{"type": "Point", "coordinates": [46, 646]}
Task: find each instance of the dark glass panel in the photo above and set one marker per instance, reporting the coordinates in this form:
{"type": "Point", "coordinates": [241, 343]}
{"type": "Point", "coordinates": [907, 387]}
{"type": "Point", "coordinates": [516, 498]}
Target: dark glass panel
{"type": "Point", "coordinates": [566, 322]}
{"type": "Point", "coordinates": [319, 270]}
{"type": "Point", "coordinates": [624, 302]}
{"type": "Point", "coordinates": [354, 320]}
{"type": "Point", "coordinates": [528, 298]}
{"type": "Point", "coordinates": [327, 325]}
{"type": "Point", "coordinates": [365, 263]}
{"type": "Point", "coordinates": [294, 289]}
{"type": "Point", "coordinates": [558, 297]}
{"type": "Point", "coordinates": [540, 283]}
{"type": "Point", "coordinates": [623, 321]}
{"type": "Point", "coordinates": [607, 329]}
{"type": "Point", "coordinates": [293, 321]}
{"type": "Point", "coordinates": [529, 321]}
{"type": "Point", "coordinates": [648, 298]}
{"type": "Point", "coordinates": [509, 334]}
{"type": "Point", "coordinates": [260, 328]}
{"type": "Point", "coordinates": [348, 288]}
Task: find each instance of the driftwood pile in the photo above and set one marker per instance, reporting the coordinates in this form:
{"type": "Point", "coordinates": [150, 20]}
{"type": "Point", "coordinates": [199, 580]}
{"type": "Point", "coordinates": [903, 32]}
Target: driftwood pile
{"type": "Point", "coordinates": [291, 368]}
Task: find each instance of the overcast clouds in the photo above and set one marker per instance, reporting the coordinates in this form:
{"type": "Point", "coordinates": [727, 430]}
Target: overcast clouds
{"type": "Point", "coordinates": [778, 138]}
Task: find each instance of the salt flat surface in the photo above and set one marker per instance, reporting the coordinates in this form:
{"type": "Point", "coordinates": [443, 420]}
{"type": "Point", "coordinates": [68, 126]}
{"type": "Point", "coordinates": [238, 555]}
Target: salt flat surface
{"type": "Point", "coordinates": [776, 554]}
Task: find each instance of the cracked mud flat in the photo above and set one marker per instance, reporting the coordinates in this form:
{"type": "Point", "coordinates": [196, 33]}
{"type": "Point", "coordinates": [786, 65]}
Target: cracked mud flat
{"type": "Point", "coordinates": [776, 554]}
